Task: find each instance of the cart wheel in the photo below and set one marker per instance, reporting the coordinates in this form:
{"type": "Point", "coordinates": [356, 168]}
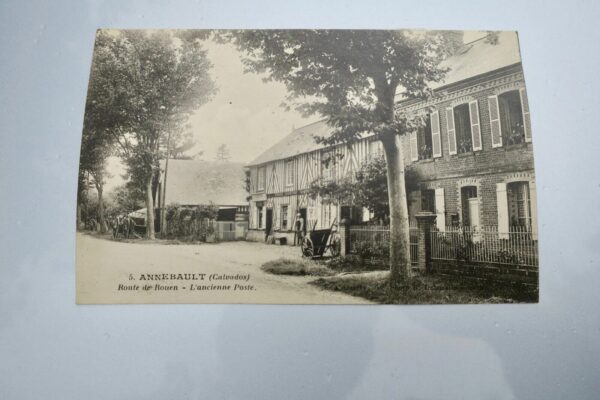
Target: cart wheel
{"type": "Point", "coordinates": [336, 246]}
{"type": "Point", "coordinates": [307, 248]}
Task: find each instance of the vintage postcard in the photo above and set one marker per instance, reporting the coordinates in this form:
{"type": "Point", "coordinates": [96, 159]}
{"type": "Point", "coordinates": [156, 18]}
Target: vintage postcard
{"type": "Point", "coordinates": [306, 167]}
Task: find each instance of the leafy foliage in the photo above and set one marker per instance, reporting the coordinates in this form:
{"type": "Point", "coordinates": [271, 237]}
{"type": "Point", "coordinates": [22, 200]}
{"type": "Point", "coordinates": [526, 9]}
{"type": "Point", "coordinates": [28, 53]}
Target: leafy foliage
{"type": "Point", "coordinates": [371, 188]}
{"type": "Point", "coordinates": [348, 76]}
{"type": "Point", "coordinates": [367, 188]}
{"type": "Point", "coordinates": [351, 77]}
{"type": "Point", "coordinates": [284, 266]}
{"type": "Point", "coordinates": [126, 198]}
{"type": "Point", "coordinates": [144, 86]}
{"type": "Point", "coordinates": [429, 289]}
{"type": "Point", "coordinates": [191, 223]}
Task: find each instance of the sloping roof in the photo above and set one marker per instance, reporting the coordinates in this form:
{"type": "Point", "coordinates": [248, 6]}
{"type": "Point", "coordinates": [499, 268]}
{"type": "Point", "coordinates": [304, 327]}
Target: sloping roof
{"type": "Point", "coordinates": [473, 59]}
{"type": "Point", "coordinates": [201, 182]}
{"type": "Point", "coordinates": [300, 141]}
{"type": "Point", "coordinates": [480, 57]}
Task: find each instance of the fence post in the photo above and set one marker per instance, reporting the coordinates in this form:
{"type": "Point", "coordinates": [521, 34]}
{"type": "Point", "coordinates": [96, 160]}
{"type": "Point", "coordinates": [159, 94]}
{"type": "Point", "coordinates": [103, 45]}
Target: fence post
{"type": "Point", "coordinates": [425, 221]}
{"type": "Point", "coordinates": [345, 237]}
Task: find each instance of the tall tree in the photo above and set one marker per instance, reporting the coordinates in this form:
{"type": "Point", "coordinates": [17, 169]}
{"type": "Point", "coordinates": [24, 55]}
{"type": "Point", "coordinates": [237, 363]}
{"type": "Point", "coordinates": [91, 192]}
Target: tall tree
{"type": "Point", "coordinates": [157, 82]}
{"type": "Point", "coordinates": [223, 154]}
{"type": "Point", "coordinates": [370, 188]}
{"type": "Point", "coordinates": [102, 117]}
{"type": "Point", "coordinates": [93, 161]}
{"type": "Point", "coordinates": [367, 188]}
{"type": "Point", "coordinates": [127, 198]}
{"type": "Point", "coordinates": [351, 78]}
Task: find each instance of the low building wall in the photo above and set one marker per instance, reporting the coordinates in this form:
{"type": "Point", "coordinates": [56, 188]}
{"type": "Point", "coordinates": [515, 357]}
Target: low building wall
{"type": "Point", "coordinates": [255, 235]}
{"type": "Point", "coordinates": [491, 271]}
{"type": "Point", "coordinates": [258, 235]}
{"type": "Point", "coordinates": [288, 236]}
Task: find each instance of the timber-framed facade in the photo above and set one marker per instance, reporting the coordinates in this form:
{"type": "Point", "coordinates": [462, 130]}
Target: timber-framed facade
{"type": "Point", "coordinates": [473, 159]}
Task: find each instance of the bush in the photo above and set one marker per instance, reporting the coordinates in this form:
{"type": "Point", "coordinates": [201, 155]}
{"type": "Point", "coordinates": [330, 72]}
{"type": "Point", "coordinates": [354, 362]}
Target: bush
{"type": "Point", "coordinates": [371, 250]}
{"type": "Point", "coordinates": [430, 289]}
{"type": "Point", "coordinates": [283, 266]}
{"type": "Point", "coordinates": [354, 263]}
{"type": "Point", "coordinates": [190, 223]}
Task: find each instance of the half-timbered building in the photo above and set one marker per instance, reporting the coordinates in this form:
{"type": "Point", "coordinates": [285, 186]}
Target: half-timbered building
{"type": "Point", "coordinates": [472, 158]}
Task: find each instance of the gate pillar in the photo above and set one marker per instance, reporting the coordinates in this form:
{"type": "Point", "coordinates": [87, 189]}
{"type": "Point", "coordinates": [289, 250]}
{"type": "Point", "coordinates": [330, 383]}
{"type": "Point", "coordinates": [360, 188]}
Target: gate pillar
{"type": "Point", "coordinates": [425, 220]}
{"type": "Point", "coordinates": [345, 237]}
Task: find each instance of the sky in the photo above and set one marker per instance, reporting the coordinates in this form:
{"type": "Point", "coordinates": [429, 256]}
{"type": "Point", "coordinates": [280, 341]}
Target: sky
{"type": "Point", "coordinates": [245, 115]}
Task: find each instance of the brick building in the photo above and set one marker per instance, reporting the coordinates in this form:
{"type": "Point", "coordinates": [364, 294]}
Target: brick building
{"type": "Point", "coordinates": [473, 158]}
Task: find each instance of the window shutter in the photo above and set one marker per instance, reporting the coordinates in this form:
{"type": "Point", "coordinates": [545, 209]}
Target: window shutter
{"type": "Point", "coordinates": [451, 130]}
{"type": "Point", "coordinates": [436, 139]}
{"type": "Point", "coordinates": [260, 218]}
{"type": "Point", "coordinates": [533, 205]}
{"type": "Point", "coordinates": [414, 147]}
{"type": "Point", "coordinates": [526, 120]}
{"type": "Point", "coordinates": [502, 206]}
{"type": "Point", "coordinates": [475, 127]}
{"type": "Point", "coordinates": [495, 121]}
{"type": "Point", "coordinates": [440, 210]}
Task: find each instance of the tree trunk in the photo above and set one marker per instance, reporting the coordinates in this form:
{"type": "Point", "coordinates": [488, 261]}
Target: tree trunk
{"type": "Point", "coordinates": [149, 210]}
{"type": "Point", "coordinates": [99, 188]}
{"type": "Point", "coordinates": [78, 215]}
{"type": "Point", "coordinates": [400, 268]}
{"type": "Point", "coordinates": [163, 194]}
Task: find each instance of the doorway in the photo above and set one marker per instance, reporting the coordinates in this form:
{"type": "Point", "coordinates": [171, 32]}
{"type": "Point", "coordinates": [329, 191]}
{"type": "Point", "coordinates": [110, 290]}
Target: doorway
{"type": "Point", "coordinates": [303, 216]}
{"type": "Point", "coordinates": [269, 222]}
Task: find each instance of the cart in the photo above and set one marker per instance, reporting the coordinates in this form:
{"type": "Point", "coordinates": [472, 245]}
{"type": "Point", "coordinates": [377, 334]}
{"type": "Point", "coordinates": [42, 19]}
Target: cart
{"type": "Point", "coordinates": [318, 241]}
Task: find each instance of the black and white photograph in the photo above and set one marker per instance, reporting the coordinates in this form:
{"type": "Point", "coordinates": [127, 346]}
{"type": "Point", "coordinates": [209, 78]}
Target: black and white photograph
{"type": "Point", "coordinates": [307, 167]}
{"type": "Point", "coordinates": [225, 199]}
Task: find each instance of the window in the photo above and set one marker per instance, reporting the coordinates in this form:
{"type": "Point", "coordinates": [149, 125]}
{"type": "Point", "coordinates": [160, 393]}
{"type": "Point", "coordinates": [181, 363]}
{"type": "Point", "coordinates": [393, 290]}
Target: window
{"type": "Point", "coordinates": [375, 149]}
{"type": "Point", "coordinates": [462, 123]}
{"type": "Point", "coordinates": [464, 131]}
{"type": "Point", "coordinates": [261, 178]}
{"type": "Point", "coordinates": [519, 205]}
{"type": "Point", "coordinates": [511, 117]}
{"type": "Point", "coordinates": [428, 200]}
{"type": "Point", "coordinates": [470, 206]}
{"type": "Point", "coordinates": [424, 140]}
{"type": "Point", "coordinates": [421, 143]}
{"type": "Point", "coordinates": [289, 173]}
{"type": "Point", "coordinates": [328, 162]}
{"type": "Point", "coordinates": [259, 214]}
{"type": "Point", "coordinates": [326, 214]}
{"type": "Point", "coordinates": [284, 217]}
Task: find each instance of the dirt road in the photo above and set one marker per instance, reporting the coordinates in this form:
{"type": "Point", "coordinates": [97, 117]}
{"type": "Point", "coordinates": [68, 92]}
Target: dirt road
{"type": "Point", "coordinates": [141, 272]}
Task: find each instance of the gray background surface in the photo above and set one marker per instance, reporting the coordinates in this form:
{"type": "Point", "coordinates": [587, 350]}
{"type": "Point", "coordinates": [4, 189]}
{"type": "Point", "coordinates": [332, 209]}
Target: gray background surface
{"type": "Point", "coordinates": [52, 349]}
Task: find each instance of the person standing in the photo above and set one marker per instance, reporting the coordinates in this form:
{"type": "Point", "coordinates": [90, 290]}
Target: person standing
{"type": "Point", "coordinates": [299, 229]}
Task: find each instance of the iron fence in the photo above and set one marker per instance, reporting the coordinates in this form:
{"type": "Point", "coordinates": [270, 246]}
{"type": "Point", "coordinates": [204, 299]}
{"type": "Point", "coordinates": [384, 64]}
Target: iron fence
{"type": "Point", "coordinates": [374, 241]}
{"type": "Point", "coordinates": [485, 244]}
